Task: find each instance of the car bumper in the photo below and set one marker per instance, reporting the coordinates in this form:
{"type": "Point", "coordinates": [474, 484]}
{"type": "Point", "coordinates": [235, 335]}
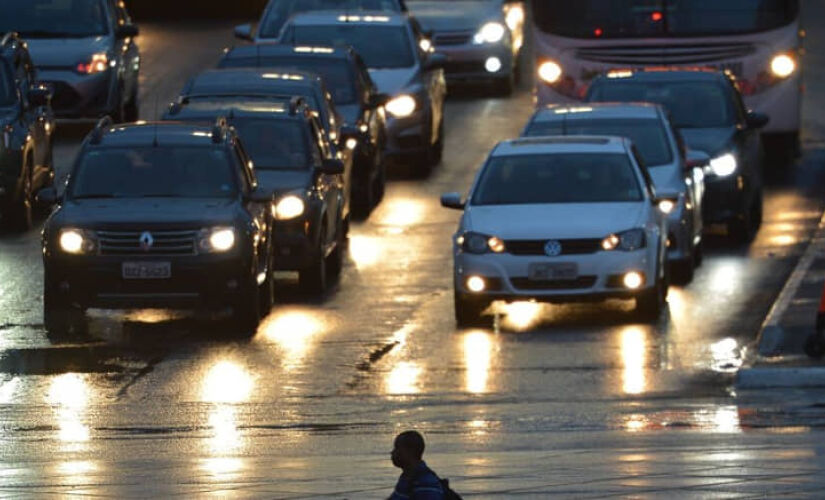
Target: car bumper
{"type": "Point", "coordinates": [467, 63]}
{"type": "Point", "coordinates": [81, 96]}
{"type": "Point", "coordinates": [294, 246]}
{"type": "Point", "coordinates": [409, 136]}
{"type": "Point", "coordinates": [599, 276]}
{"type": "Point", "coordinates": [724, 199]}
{"type": "Point", "coordinates": [681, 236]}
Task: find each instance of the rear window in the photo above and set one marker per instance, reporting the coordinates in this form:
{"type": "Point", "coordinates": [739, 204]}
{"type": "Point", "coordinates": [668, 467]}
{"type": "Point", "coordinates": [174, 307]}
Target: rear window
{"type": "Point", "coordinates": [378, 46]}
{"type": "Point", "coordinates": [558, 178]}
{"type": "Point", "coordinates": [281, 10]}
{"type": "Point", "coordinates": [274, 144]}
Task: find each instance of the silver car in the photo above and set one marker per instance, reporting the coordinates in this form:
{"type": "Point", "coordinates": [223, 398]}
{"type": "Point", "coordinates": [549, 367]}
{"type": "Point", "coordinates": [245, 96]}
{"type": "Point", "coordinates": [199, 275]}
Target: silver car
{"type": "Point", "coordinates": [675, 171]}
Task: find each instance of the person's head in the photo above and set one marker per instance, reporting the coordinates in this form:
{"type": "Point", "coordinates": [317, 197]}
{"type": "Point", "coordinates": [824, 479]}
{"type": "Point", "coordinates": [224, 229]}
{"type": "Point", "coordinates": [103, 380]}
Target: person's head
{"type": "Point", "coordinates": [407, 450]}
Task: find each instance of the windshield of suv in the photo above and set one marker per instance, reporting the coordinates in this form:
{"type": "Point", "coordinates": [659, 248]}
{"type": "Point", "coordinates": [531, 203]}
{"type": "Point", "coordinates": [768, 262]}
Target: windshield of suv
{"type": "Point", "coordinates": [558, 178]}
{"type": "Point", "coordinates": [649, 135]}
{"type": "Point", "coordinates": [281, 10]}
{"type": "Point", "coordinates": [274, 144]}
{"type": "Point", "coordinates": [692, 104]}
{"type": "Point", "coordinates": [145, 172]}
{"type": "Point", "coordinates": [378, 46]}
{"type": "Point", "coordinates": [54, 18]}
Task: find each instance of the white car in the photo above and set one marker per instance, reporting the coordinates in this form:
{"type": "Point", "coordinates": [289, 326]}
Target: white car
{"type": "Point", "coordinates": [559, 219]}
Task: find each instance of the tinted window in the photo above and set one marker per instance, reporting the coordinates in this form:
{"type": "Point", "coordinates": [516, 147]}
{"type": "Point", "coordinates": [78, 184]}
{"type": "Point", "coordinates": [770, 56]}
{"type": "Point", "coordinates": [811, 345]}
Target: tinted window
{"type": "Point", "coordinates": [274, 144]}
{"type": "Point", "coordinates": [179, 172]}
{"type": "Point", "coordinates": [54, 18]}
{"type": "Point", "coordinates": [281, 10]}
{"type": "Point", "coordinates": [379, 46]}
{"type": "Point", "coordinates": [648, 135]}
{"type": "Point", "coordinates": [691, 104]}
{"type": "Point", "coordinates": [640, 18]}
{"type": "Point", "coordinates": [558, 178]}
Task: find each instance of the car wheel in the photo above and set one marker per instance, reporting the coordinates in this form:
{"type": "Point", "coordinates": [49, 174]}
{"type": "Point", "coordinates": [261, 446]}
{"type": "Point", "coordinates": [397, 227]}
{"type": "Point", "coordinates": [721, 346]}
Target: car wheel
{"type": "Point", "coordinates": [699, 254]}
{"type": "Point", "coordinates": [650, 303]}
{"type": "Point", "coordinates": [19, 213]}
{"type": "Point", "coordinates": [684, 270]}
{"type": "Point", "coordinates": [469, 311]}
{"type": "Point", "coordinates": [266, 292]}
{"type": "Point", "coordinates": [246, 315]}
{"type": "Point", "coordinates": [313, 279]}
{"type": "Point", "coordinates": [60, 318]}
{"type": "Point", "coordinates": [379, 186]}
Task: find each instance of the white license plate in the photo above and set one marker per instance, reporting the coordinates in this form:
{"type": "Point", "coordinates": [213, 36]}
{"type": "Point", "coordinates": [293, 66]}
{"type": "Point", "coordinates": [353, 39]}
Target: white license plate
{"type": "Point", "coordinates": [147, 270]}
{"type": "Point", "coordinates": [548, 272]}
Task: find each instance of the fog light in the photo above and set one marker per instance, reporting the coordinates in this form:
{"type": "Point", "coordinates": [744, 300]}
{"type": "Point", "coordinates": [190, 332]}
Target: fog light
{"type": "Point", "coordinates": [492, 64]}
{"type": "Point", "coordinates": [476, 284]}
{"type": "Point", "coordinates": [633, 280]}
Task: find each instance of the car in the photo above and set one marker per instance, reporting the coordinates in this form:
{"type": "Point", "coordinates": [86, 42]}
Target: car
{"type": "Point", "coordinates": [158, 215]}
{"type": "Point", "coordinates": [482, 39]}
{"type": "Point", "coordinates": [293, 160]}
{"type": "Point", "coordinates": [85, 49]}
{"type": "Point", "coordinates": [708, 111]}
{"type": "Point", "coordinates": [278, 12]}
{"type": "Point", "coordinates": [355, 97]}
{"type": "Point", "coordinates": [676, 173]}
{"type": "Point", "coordinates": [559, 219]}
{"type": "Point", "coordinates": [28, 123]}
{"type": "Point", "coordinates": [411, 77]}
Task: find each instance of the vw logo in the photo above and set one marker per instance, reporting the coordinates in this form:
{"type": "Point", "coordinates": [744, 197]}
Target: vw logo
{"type": "Point", "coordinates": [146, 241]}
{"type": "Point", "coordinates": [552, 248]}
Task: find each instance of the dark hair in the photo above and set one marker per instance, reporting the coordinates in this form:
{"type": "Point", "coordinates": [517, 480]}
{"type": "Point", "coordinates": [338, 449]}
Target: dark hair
{"type": "Point", "coordinates": [412, 441]}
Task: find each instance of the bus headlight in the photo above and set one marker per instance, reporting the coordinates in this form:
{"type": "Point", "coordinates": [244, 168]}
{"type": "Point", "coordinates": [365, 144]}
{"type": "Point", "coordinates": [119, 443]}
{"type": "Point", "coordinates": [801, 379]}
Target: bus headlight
{"type": "Point", "coordinates": [401, 106]}
{"type": "Point", "coordinates": [783, 65]}
{"type": "Point", "coordinates": [550, 72]}
{"type": "Point", "coordinates": [489, 33]}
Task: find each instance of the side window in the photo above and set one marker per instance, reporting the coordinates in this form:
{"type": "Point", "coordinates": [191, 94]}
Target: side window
{"type": "Point", "coordinates": [643, 168]}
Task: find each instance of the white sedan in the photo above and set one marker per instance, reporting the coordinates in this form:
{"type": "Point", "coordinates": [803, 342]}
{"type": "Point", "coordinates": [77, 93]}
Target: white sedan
{"type": "Point", "coordinates": [559, 219]}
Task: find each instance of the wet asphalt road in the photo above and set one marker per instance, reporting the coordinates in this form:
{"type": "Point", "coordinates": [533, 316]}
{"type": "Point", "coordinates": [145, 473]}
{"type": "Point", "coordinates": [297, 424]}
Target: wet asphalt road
{"type": "Point", "coordinates": [573, 400]}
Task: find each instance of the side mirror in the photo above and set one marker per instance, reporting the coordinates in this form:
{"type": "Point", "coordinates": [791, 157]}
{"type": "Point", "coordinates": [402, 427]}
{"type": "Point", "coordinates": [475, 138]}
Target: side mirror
{"type": "Point", "coordinates": [46, 197]}
{"type": "Point", "coordinates": [243, 32]}
{"type": "Point", "coordinates": [127, 31]}
{"type": "Point", "coordinates": [378, 100]}
{"type": "Point", "coordinates": [452, 200]}
{"type": "Point", "coordinates": [332, 166]}
{"type": "Point", "coordinates": [757, 120]}
{"type": "Point", "coordinates": [40, 94]}
{"type": "Point", "coordinates": [435, 60]}
{"type": "Point", "coordinates": [260, 195]}
{"type": "Point", "coordinates": [696, 159]}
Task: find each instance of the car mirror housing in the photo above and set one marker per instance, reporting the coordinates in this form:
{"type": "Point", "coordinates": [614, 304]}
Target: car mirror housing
{"type": "Point", "coordinates": [757, 120]}
{"type": "Point", "coordinates": [47, 197]}
{"type": "Point", "coordinates": [435, 60]}
{"type": "Point", "coordinates": [452, 200]}
{"type": "Point", "coordinates": [40, 94]}
{"type": "Point", "coordinates": [243, 32]}
{"type": "Point", "coordinates": [377, 100]}
{"type": "Point", "coordinates": [127, 31]}
{"type": "Point", "coordinates": [695, 158]}
{"type": "Point", "coordinates": [332, 166]}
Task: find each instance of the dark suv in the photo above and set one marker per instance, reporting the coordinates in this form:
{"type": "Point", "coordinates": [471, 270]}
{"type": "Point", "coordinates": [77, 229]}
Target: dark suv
{"type": "Point", "coordinates": [293, 159]}
{"type": "Point", "coordinates": [356, 98]}
{"type": "Point", "coordinates": [86, 48]}
{"type": "Point", "coordinates": [158, 215]}
{"type": "Point", "coordinates": [27, 125]}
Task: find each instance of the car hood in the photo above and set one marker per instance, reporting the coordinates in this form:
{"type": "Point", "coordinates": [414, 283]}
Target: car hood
{"type": "Point", "coordinates": [393, 81]}
{"type": "Point", "coordinates": [147, 213]}
{"type": "Point", "coordinates": [464, 15]}
{"type": "Point", "coordinates": [668, 180]}
{"type": "Point", "coordinates": [561, 220]}
{"type": "Point", "coordinates": [65, 52]}
{"type": "Point", "coordinates": [282, 181]}
{"type": "Point", "coordinates": [349, 112]}
{"type": "Point", "coordinates": [710, 140]}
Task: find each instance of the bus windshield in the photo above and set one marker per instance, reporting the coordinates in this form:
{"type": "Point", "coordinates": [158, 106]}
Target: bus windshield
{"type": "Point", "coordinates": [663, 18]}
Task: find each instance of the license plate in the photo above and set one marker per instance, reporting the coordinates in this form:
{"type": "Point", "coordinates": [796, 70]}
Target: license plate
{"type": "Point", "coordinates": [548, 272]}
{"type": "Point", "coordinates": [147, 270]}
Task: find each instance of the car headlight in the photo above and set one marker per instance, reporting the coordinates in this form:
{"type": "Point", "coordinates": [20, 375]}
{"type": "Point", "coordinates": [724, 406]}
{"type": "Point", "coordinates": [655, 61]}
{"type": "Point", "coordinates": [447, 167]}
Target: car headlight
{"type": "Point", "coordinates": [401, 106]}
{"type": "Point", "coordinates": [96, 64]}
{"type": "Point", "coordinates": [480, 243]}
{"type": "Point", "coordinates": [550, 72]}
{"type": "Point", "coordinates": [667, 206]}
{"type": "Point", "coordinates": [76, 241]}
{"type": "Point", "coordinates": [724, 165]}
{"type": "Point", "coordinates": [289, 207]}
{"type": "Point", "coordinates": [783, 65]}
{"type": "Point", "coordinates": [627, 241]}
{"type": "Point", "coordinates": [217, 240]}
{"type": "Point", "coordinates": [514, 15]}
{"type": "Point", "coordinates": [490, 33]}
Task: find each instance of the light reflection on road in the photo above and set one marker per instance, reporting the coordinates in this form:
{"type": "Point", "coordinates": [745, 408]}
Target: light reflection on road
{"type": "Point", "coordinates": [634, 357]}
{"type": "Point", "coordinates": [226, 384]}
{"type": "Point", "coordinates": [521, 316]}
{"type": "Point", "coordinates": [403, 379]}
{"type": "Point", "coordinates": [478, 351]}
{"type": "Point", "coordinates": [365, 251]}
{"type": "Point", "coordinates": [69, 394]}
{"type": "Point", "coordinates": [294, 332]}
{"type": "Point", "coordinates": [400, 214]}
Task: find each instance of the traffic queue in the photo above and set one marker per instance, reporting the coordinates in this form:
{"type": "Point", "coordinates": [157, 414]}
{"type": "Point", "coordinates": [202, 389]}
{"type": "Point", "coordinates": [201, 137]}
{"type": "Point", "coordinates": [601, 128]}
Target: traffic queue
{"type": "Point", "coordinates": [261, 163]}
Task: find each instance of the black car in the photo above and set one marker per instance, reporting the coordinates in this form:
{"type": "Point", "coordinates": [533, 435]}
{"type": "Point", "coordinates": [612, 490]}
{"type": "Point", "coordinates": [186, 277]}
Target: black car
{"type": "Point", "coordinates": [158, 215]}
{"type": "Point", "coordinates": [707, 109]}
{"type": "Point", "coordinates": [86, 49]}
{"type": "Point", "coordinates": [28, 123]}
{"type": "Point", "coordinates": [354, 93]}
{"type": "Point", "coordinates": [292, 159]}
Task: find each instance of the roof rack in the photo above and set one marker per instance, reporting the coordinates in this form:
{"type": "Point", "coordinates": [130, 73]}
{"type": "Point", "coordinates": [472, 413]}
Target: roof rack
{"type": "Point", "coordinates": [100, 129]}
{"type": "Point", "coordinates": [219, 130]}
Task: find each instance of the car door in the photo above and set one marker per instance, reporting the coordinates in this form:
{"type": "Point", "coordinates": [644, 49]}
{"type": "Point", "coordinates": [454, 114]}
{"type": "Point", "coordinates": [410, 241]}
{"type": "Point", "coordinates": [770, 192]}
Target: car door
{"type": "Point", "coordinates": [330, 188]}
{"type": "Point", "coordinates": [127, 51]}
{"type": "Point", "coordinates": [33, 120]}
{"type": "Point", "coordinates": [433, 79]}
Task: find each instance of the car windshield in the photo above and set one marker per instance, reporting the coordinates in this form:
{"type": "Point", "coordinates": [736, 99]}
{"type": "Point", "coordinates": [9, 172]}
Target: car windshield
{"type": "Point", "coordinates": [646, 18]}
{"type": "Point", "coordinates": [281, 10]}
{"type": "Point", "coordinates": [379, 46]}
{"type": "Point", "coordinates": [144, 172]}
{"type": "Point", "coordinates": [649, 135]}
{"type": "Point", "coordinates": [336, 73]}
{"type": "Point", "coordinates": [692, 104]}
{"type": "Point", "coordinates": [274, 144]}
{"type": "Point", "coordinates": [558, 178]}
{"type": "Point", "coordinates": [54, 18]}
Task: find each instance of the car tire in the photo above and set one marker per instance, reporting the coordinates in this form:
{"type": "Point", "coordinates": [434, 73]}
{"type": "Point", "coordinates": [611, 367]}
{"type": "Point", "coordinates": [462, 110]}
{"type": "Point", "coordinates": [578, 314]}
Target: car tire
{"type": "Point", "coordinates": [61, 319]}
{"type": "Point", "coordinates": [699, 254]}
{"type": "Point", "coordinates": [742, 230]}
{"type": "Point", "coordinates": [651, 303]}
{"type": "Point", "coordinates": [246, 315]}
{"type": "Point", "coordinates": [379, 185]}
{"type": "Point", "coordinates": [18, 213]}
{"type": "Point", "coordinates": [469, 311]}
{"type": "Point", "coordinates": [313, 279]}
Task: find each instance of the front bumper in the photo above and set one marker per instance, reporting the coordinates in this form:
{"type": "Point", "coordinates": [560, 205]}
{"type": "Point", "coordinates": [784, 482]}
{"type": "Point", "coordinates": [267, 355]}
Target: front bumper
{"type": "Point", "coordinates": [724, 199]}
{"type": "Point", "coordinates": [294, 245]}
{"type": "Point", "coordinates": [81, 96]}
{"type": "Point", "coordinates": [466, 62]}
{"type": "Point", "coordinates": [409, 136]}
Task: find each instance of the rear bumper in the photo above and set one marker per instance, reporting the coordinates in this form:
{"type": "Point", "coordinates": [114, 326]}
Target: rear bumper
{"type": "Point", "coordinates": [723, 200]}
{"type": "Point", "coordinates": [81, 96]}
{"type": "Point", "coordinates": [466, 63]}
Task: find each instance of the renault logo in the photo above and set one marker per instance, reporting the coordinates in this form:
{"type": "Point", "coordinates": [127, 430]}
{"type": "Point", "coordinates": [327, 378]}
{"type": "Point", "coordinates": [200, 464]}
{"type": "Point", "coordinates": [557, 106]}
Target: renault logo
{"type": "Point", "coordinates": [552, 248]}
{"type": "Point", "coordinates": [146, 241]}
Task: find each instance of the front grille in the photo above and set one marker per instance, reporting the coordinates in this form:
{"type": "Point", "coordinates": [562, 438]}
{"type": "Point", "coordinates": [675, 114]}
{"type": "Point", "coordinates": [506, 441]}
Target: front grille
{"type": "Point", "coordinates": [164, 243]}
{"type": "Point", "coordinates": [452, 38]}
{"type": "Point", "coordinates": [579, 283]}
{"type": "Point", "coordinates": [464, 67]}
{"type": "Point", "coordinates": [64, 97]}
{"type": "Point", "coordinates": [666, 54]}
{"type": "Point", "coordinates": [568, 247]}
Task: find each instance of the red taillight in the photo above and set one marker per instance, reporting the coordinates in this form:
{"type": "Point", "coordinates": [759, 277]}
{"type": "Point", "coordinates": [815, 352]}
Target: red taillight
{"type": "Point", "coordinates": [657, 16]}
{"type": "Point", "coordinates": [99, 63]}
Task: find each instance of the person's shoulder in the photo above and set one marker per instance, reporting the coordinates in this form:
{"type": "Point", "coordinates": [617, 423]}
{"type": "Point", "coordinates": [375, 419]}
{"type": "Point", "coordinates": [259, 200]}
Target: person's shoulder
{"type": "Point", "coordinates": [426, 478]}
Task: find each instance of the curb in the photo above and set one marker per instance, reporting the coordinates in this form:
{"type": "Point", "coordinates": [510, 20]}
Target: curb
{"type": "Point", "coordinates": [767, 377]}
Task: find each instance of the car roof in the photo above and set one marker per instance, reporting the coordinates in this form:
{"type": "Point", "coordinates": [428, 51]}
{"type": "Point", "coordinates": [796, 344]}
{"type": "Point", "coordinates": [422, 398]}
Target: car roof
{"type": "Point", "coordinates": [561, 144]}
{"type": "Point", "coordinates": [559, 112]}
{"type": "Point", "coordinates": [269, 49]}
{"type": "Point", "coordinates": [235, 108]}
{"type": "Point", "coordinates": [250, 80]}
{"type": "Point", "coordinates": [336, 17]}
{"type": "Point", "coordinates": [664, 75]}
{"type": "Point", "coordinates": [156, 134]}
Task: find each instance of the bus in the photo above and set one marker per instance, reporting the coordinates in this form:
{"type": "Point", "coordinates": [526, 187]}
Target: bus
{"type": "Point", "coordinates": [759, 42]}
